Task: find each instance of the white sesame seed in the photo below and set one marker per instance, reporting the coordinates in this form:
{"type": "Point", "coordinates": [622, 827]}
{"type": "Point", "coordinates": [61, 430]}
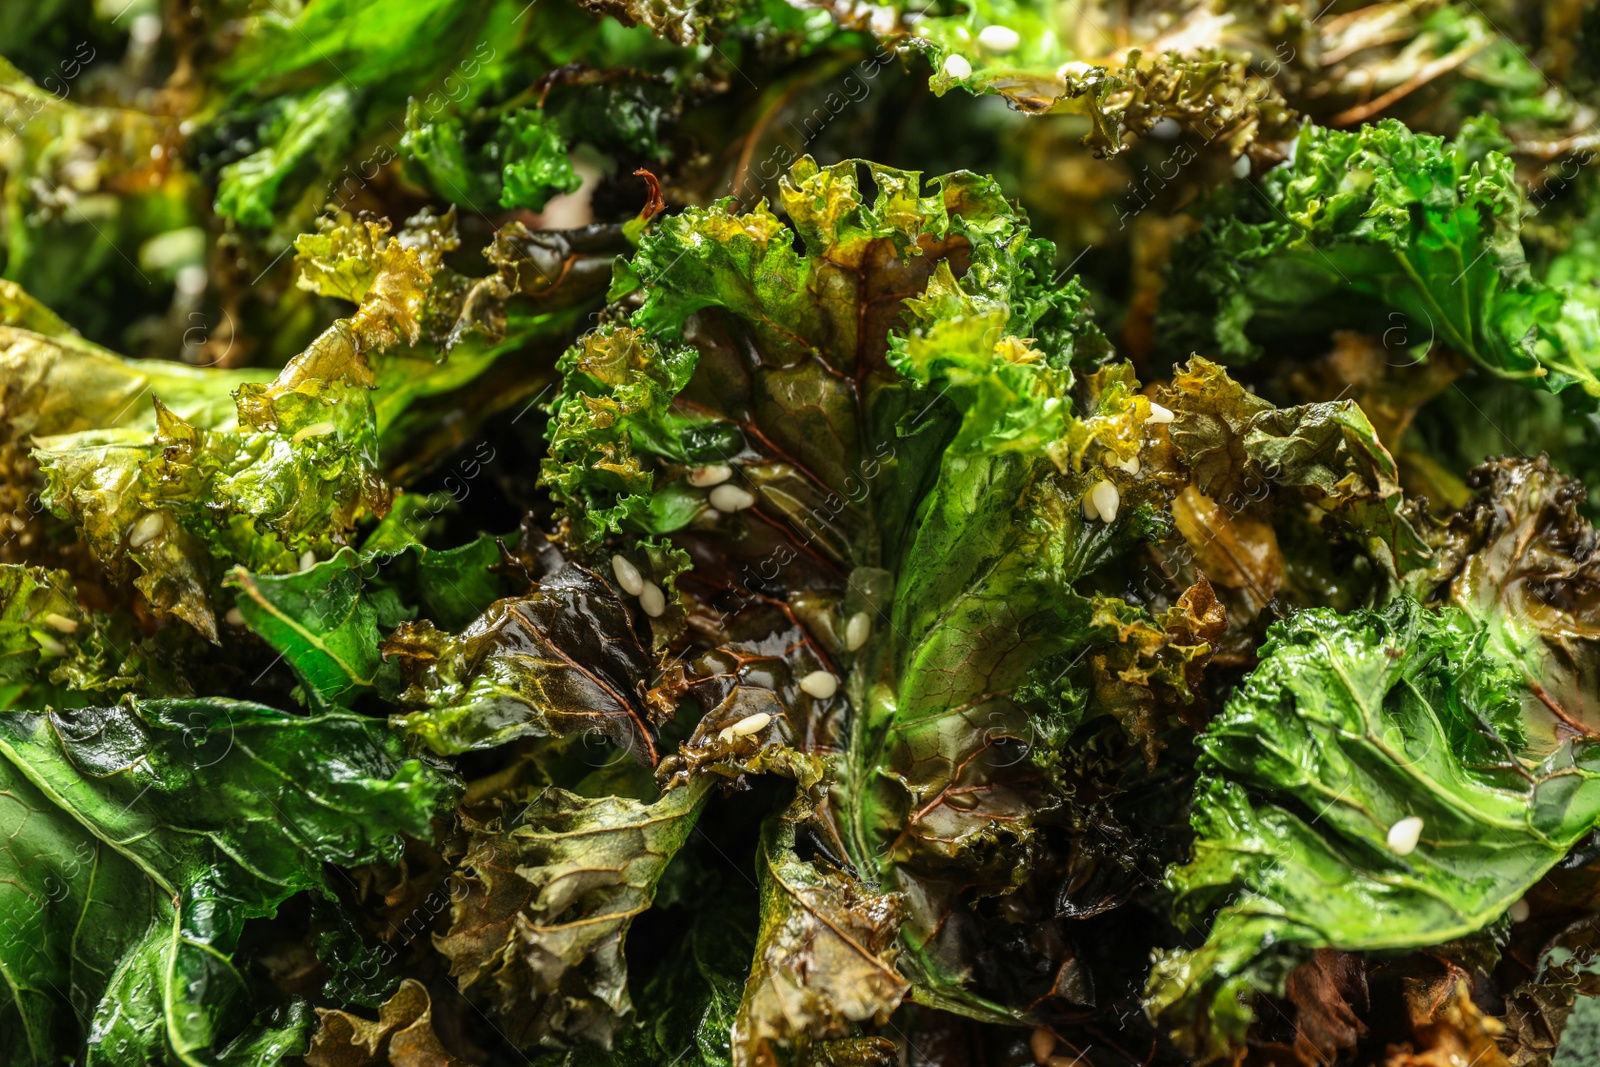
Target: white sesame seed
{"type": "Point", "coordinates": [191, 280]}
{"type": "Point", "coordinates": [1130, 465]}
{"type": "Point", "coordinates": [147, 528]}
{"type": "Point", "coordinates": [1241, 167]}
{"type": "Point", "coordinates": [1089, 510]}
{"type": "Point", "coordinates": [316, 429]}
{"type": "Point", "coordinates": [234, 617]}
{"type": "Point", "coordinates": [820, 684]}
{"type": "Point", "coordinates": [731, 498]}
{"type": "Point", "coordinates": [653, 600]}
{"type": "Point", "coordinates": [725, 735]}
{"type": "Point", "coordinates": [856, 631]}
{"type": "Point", "coordinates": [999, 38]}
{"type": "Point", "coordinates": [308, 559]}
{"type": "Point", "coordinates": [706, 477]}
{"type": "Point", "coordinates": [956, 66]}
{"type": "Point", "coordinates": [50, 645]}
{"type": "Point", "coordinates": [1519, 911]}
{"type": "Point", "coordinates": [1073, 70]}
{"type": "Point", "coordinates": [1403, 835]}
{"type": "Point", "coordinates": [750, 724]}
{"type": "Point", "coordinates": [61, 622]}
{"type": "Point", "coordinates": [1159, 416]}
{"type": "Point", "coordinates": [145, 29]}
{"type": "Point", "coordinates": [628, 575]}
{"type": "Point", "coordinates": [1106, 500]}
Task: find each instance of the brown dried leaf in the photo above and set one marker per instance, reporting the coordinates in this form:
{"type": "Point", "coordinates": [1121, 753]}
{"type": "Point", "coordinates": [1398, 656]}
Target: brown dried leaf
{"type": "Point", "coordinates": [1447, 1027]}
{"type": "Point", "coordinates": [542, 905]}
{"type": "Point", "coordinates": [1147, 658]}
{"type": "Point", "coordinates": [1237, 552]}
{"type": "Point", "coordinates": [1537, 1010]}
{"type": "Point", "coordinates": [1329, 993]}
{"type": "Point", "coordinates": [402, 1036]}
{"type": "Point", "coordinates": [1211, 416]}
{"type": "Point", "coordinates": [825, 958]}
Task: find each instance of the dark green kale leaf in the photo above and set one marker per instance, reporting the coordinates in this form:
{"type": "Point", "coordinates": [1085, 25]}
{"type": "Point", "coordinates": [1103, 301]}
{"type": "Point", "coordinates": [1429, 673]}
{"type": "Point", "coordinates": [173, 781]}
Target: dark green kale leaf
{"type": "Point", "coordinates": [311, 86]}
{"type": "Point", "coordinates": [323, 623]}
{"type": "Point", "coordinates": [54, 653]}
{"type": "Point", "coordinates": [125, 896]}
{"type": "Point", "coordinates": [324, 99]}
{"type": "Point", "coordinates": [838, 495]}
{"type": "Point", "coordinates": [329, 620]}
{"type": "Point", "coordinates": [37, 609]}
{"type": "Point", "coordinates": [892, 464]}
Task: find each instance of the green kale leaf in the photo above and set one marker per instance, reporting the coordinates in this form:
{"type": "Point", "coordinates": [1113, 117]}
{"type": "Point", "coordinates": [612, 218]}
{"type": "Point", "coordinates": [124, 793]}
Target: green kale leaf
{"type": "Point", "coordinates": [322, 622]}
{"type": "Point", "coordinates": [1428, 228]}
{"type": "Point", "coordinates": [125, 898]}
{"type": "Point", "coordinates": [868, 446]}
{"type": "Point", "coordinates": [1369, 787]}
{"type": "Point", "coordinates": [521, 165]}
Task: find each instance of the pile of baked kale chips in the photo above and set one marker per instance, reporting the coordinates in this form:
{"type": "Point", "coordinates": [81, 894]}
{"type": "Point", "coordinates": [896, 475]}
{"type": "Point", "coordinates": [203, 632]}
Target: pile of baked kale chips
{"type": "Point", "coordinates": [995, 532]}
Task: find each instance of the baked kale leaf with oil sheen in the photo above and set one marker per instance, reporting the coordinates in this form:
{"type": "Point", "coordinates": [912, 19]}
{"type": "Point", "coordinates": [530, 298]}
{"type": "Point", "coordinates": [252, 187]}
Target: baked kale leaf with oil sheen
{"type": "Point", "coordinates": [889, 456]}
{"type": "Point", "coordinates": [1522, 563]}
{"type": "Point", "coordinates": [253, 472]}
{"type": "Point", "coordinates": [174, 474]}
{"type": "Point", "coordinates": [541, 909]}
{"type": "Point", "coordinates": [1381, 217]}
{"type": "Point", "coordinates": [1351, 725]}
{"type": "Point", "coordinates": [868, 445]}
{"type": "Point", "coordinates": [329, 619]}
{"type": "Point", "coordinates": [1124, 69]}
{"type": "Point", "coordinates": [142, 837]}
